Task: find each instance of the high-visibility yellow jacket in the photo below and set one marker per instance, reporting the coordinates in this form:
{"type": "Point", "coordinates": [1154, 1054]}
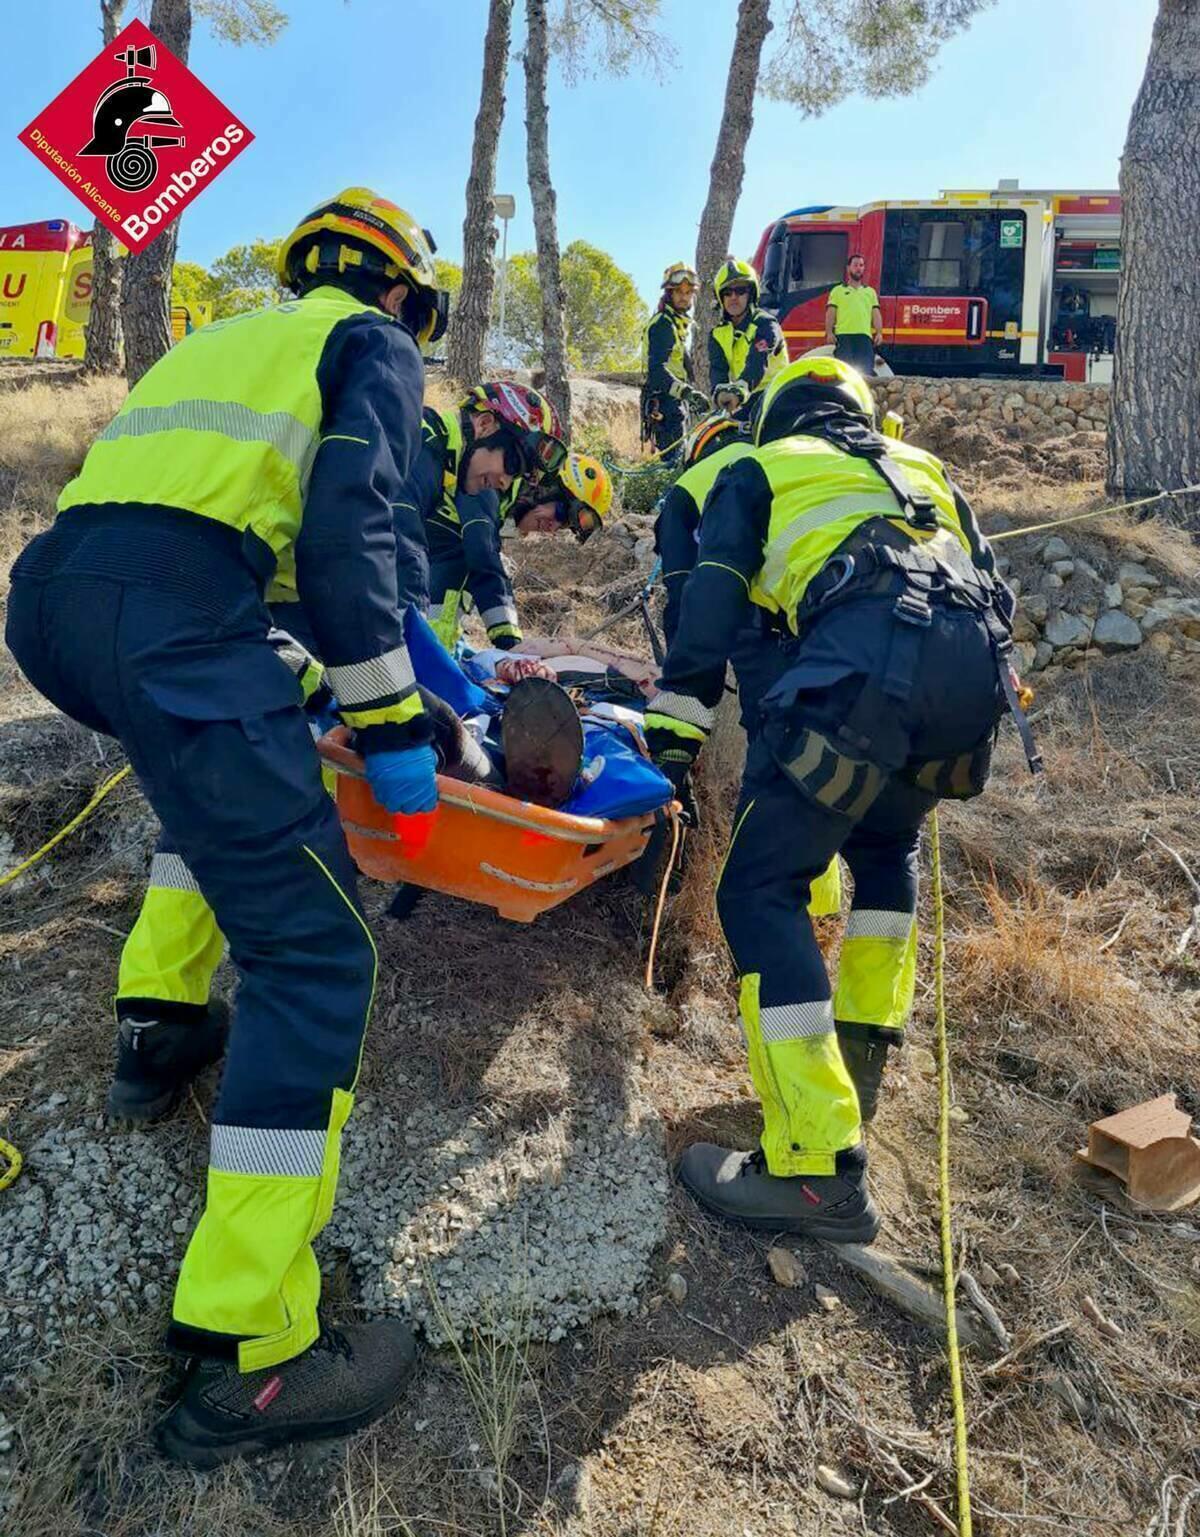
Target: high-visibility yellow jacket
{"type": "Point", "coordinates": [293, 428]}
{"type": "Point", "coordinates": [774, 517]}
{"type": "Point", "coordinates": [666, 361]}
{"type": "Point", "coordinates": [753, 351]}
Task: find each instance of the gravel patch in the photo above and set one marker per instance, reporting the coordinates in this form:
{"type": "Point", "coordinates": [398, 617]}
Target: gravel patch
{"type": "Point", "coordinates": [534, 1231]}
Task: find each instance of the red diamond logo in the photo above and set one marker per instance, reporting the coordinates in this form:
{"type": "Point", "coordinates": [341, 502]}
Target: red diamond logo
{"type": "Point", "coordinates": [135, 136]}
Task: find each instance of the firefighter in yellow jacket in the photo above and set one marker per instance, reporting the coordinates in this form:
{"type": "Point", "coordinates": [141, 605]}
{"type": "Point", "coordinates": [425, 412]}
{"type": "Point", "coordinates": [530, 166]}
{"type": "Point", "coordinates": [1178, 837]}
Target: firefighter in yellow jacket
{"type": "Point", "coordinates": [746, 348]}
{"type": "Point", "coordinates": [869, 567]}
{"type": "Point", "coordinates": [668, 390]}
{"type": "Point", "coordinates": [259, 459]}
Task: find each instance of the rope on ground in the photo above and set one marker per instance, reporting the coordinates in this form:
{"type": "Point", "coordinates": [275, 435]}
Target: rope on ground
{"type": "Point", "coordinates": [1097, 512]}
{"type": "Point", "coordinates": [644, 466]}
{"type": "Point", "coordinates": [961, 1467]}
{"type": "Point", "coordinates": [14, 1160]}
{"type": "Point", "coordinates": [676, 834]}
{"type": "Point", "coordinates": [106, 788]}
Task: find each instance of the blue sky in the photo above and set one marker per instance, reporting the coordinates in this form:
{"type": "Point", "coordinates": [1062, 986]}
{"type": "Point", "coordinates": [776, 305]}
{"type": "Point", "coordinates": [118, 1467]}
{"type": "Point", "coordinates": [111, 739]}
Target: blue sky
{"type": "Point", "coordinates": [384, 92]}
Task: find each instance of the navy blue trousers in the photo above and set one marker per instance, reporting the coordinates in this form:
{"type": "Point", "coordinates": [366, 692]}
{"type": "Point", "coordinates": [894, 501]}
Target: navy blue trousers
{"type": "Point", "coordinates": [211, 721]}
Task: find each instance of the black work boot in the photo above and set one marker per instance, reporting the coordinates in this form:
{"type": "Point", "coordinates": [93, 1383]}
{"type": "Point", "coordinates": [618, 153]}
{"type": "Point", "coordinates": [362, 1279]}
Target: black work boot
{"type": "Point", "coordinates": [347, 1378]}
{"type": "Point", "coordinates": [865, 1052]}
{"type": "Point", "coordinates": [737, 1186]}
{"type": "Point", "coordinates": [158, 1057]}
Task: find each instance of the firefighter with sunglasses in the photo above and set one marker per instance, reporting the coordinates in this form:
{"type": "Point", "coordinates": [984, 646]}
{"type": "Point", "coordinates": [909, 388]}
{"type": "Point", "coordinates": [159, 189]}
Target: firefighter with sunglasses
{"type": "Point", "coordinates": [474, 466]}
{"type": "Point", "coordinates": [746, 347]}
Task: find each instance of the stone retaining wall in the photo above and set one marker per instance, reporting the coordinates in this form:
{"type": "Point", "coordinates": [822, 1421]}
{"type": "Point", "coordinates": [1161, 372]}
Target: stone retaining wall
{"type": "Point", "coordinates": [1034, 408]}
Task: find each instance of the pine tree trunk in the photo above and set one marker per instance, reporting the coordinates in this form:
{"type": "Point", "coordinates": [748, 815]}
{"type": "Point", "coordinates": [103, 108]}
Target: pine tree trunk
{"type": "Point", "coordinates": [146, 308]}
{"type": "Point", "coordinates": [103, 341]}
{"type": "Point", "coordinates": [728, 167]}
{"type": "Point", "coordinates": [1154, 430]}
{"type": "Point", "coordinates": [545, 212]}
{"type": "Point", "coordinates": [469, 320]}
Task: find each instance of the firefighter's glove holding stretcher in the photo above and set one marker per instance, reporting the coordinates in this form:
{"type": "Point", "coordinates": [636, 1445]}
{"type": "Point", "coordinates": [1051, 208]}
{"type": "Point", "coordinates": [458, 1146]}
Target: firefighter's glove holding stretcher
{"type": "Point", "coordinates": [677, 727]}
{"type": "Point", "coordinates": [405, 781]}
{"type": "Point", "coordinates": [731, 397]}
{"type": "Point", "coordinates": [696, 400]}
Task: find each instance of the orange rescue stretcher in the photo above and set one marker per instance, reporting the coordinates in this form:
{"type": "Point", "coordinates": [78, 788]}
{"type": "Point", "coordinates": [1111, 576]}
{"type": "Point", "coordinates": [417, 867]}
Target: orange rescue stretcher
{"type": "Point", "coordinates": [481, 844]}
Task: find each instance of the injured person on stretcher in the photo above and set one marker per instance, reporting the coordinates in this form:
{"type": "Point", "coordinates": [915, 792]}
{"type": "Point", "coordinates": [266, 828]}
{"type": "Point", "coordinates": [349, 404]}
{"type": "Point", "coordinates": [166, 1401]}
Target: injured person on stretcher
{"type": "Point", "coordinates": [561, 731]}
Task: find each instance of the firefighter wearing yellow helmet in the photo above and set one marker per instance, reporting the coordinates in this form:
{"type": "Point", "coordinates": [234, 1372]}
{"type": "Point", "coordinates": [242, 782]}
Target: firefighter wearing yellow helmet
{"type": "Point", "coordinates": [668, 390]}
{"type": "Point", "coordinates": [746, 347]}
{"type": "Point", "coordinates": [858, 551]}
{"type": "Point", "coordinates": [578, 497]}
{"type": "Point", "coordinates": [257, 462]}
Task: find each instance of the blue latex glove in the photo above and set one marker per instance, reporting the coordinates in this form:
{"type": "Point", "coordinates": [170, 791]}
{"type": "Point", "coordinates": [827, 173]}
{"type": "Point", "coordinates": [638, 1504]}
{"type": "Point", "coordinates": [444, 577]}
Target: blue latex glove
{"type": "Point", "coordinates": [404, 781]}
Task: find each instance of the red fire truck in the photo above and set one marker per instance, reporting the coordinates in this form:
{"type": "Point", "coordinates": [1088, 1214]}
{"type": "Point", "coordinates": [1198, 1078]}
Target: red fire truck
{"type": "Point", "coordinates": [1006, 282]}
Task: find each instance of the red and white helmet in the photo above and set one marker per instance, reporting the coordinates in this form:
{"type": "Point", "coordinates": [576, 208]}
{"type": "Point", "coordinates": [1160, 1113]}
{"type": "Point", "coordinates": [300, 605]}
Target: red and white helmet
{"type": "Point", "coordinates": [518, 405]}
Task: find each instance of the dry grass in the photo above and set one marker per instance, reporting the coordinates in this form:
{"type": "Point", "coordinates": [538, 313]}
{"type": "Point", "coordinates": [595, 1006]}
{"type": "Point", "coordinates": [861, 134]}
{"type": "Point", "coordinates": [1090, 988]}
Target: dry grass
{"type": "Point", "coordinates": [1069, 998]}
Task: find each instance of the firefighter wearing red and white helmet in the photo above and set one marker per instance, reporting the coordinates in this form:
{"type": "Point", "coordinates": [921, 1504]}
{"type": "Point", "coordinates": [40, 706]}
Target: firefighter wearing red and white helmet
{"type": "Point", "coordinates": [474, 466]}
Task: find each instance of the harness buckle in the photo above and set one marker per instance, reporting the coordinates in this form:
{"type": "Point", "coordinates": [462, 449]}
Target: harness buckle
{"type": "Point", "coordinates": [911, 608]}
{"type": "Point", "coordinates": [920, 512]}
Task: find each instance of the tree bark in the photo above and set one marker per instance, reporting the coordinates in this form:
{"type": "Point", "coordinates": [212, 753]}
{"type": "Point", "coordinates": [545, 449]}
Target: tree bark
{"type": "Point", "coordinates": [146, 307]}
{"type": "Point", "coordinates": [467, 335]}
{"type": "Point", "coordinates": [728, 167]}
{"type": "Point", "coordinates": [102, 334]}
{"type": "Point", "coordinates": [545, 212]}
{"type": "Point", "coordinates": [1154, 429]}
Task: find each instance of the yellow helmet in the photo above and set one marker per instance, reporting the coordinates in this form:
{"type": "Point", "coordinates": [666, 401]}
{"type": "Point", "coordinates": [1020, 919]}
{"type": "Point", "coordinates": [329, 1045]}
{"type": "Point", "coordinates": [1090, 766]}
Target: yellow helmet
{"type": "Point", "coordinates": [677, 273]}
{"type": "Point", "coordinates": [811, 381]}
{"type": "Point", "coordinates": [359, 233]}
{"type": "Point", "coordinates": [735, 271]}
{"type": "Point", "coordinates": [590, 489]}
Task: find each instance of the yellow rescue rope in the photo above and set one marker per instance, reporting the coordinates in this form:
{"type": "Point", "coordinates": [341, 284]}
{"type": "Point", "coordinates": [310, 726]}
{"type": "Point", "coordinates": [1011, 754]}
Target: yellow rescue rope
{"type": "Point", "coordinates": [1097, 512]}
{"type": "Point", "coordinates": [13, 1158]}
{"type": "Point", "coordinates": [82, 816]}
{"type": "Point", "coordinates": [961, 1467]}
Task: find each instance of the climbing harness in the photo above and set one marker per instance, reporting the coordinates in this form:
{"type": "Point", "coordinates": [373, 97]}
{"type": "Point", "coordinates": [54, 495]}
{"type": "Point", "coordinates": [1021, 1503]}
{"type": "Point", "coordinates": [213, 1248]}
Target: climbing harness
{"type": "Point", "coordinates": [961, 1467]}
{"type": "Point", "coordinates": [80, 817]}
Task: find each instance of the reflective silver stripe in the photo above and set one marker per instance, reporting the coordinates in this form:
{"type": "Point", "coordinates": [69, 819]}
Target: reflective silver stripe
{"type": "Point", "coordinates": [280, 430]}
{"type": "Point", "coordinates": [256, 1150]}
{"type": "Point", "coordinates": [874, 505]}
{"type": "Point", "coordinates": [503, 613]}
{"type": "Point", "coordinates": [436, 611]}
{"type": "Point", "coordinates": [682, 707]}
{"type": "Point", "coordinates": [168, 872]}
{"type": "Point", "coordinates": [358, 683]}
{"type": "Point", "coordinates": [794, 1021]}
{"type": "Point", "coordinates": [878, 923]}
{"type": "Point", "coordinates": [289, 651]}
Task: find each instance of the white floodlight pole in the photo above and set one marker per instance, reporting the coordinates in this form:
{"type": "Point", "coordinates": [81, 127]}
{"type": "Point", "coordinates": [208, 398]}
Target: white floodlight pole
{"type": "Point", "coordinates": [506, 207]}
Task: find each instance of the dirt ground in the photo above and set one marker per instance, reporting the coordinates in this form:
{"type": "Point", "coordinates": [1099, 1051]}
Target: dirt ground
{"type": "Point", "coordinates": [708, 1411]}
